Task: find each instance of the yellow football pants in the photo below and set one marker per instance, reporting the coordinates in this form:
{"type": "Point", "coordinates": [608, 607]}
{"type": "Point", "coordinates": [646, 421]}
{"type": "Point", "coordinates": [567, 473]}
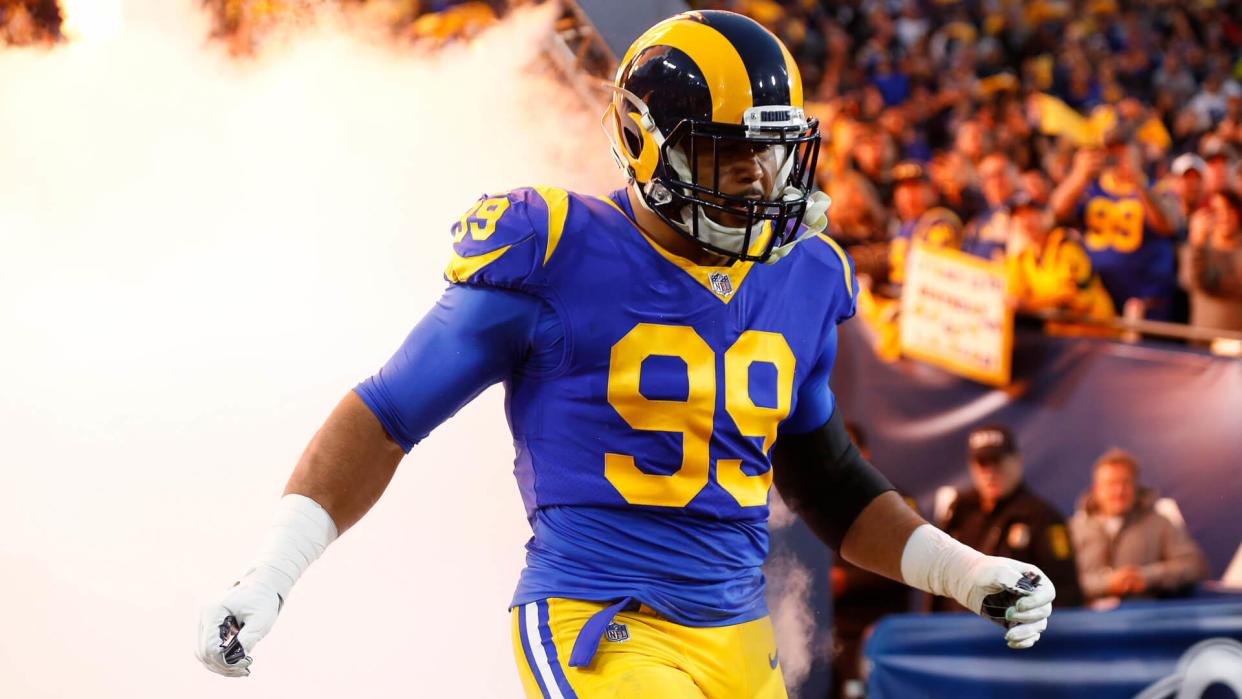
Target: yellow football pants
{"type": "Point", "coordinates": [643, 655]}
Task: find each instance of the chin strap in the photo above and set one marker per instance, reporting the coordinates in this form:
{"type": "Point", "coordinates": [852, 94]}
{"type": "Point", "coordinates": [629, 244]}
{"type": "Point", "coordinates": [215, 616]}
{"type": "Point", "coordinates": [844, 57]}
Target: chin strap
{"type": "Point", "coordinates": [815, 221]}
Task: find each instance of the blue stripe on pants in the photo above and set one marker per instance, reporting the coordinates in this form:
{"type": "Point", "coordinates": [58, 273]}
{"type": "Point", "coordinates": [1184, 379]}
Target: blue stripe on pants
{"type": "Point", "coordinates": [530, 657]}
{"type": "Point", "coordinates": [545, 634]}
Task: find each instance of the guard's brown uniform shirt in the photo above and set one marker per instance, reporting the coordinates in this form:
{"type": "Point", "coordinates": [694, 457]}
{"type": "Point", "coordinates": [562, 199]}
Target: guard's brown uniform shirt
{"type": "Point", "coordinates": [1022, 526]}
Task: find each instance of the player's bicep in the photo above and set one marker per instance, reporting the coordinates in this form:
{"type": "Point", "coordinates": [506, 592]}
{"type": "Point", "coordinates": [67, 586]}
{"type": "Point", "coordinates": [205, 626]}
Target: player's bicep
{"type": "Point", "coordinates": [473, 338]}
{"type": "Point", "coordinates": [815, 400]}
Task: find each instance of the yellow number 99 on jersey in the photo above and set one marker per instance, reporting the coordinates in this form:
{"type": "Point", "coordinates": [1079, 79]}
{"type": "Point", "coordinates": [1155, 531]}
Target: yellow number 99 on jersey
{"type": "Point", "coordinates": [694, 417]}
{"type": "Point", "coordinates": [1113, 223]}
{"type": "Point", "coordinates": [479, 222]}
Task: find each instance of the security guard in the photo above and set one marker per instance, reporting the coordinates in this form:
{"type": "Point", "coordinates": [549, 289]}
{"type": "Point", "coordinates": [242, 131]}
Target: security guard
{"type": "Point", "coordinates": [1002, 517]}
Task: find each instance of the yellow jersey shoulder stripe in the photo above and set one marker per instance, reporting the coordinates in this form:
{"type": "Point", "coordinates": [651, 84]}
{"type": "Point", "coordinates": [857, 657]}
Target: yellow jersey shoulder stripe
{"type": "Point", "coordinates": [557, 202]}
{"type": "Point", "coordinates": [845, 263]}
{"type": "Point", "coordinates": [462, 268]}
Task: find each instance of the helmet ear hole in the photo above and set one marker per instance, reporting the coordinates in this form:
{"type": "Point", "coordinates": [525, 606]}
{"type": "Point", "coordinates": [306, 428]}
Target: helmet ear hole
{"type": "Point", "coordinates": [631, 134]}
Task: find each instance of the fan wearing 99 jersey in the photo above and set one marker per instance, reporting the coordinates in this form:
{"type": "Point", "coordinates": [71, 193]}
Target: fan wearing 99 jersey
{"type": "Point", "coordinates": [665, 352]}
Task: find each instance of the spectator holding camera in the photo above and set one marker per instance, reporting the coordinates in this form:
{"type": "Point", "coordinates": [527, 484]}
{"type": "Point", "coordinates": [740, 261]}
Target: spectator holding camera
{"type": "Point", "coordinates": [1128, 229]}
{"type": "Point", "coordinates": [1125, 548]}
{"type": "Point", "coordinates": [1211, 263]}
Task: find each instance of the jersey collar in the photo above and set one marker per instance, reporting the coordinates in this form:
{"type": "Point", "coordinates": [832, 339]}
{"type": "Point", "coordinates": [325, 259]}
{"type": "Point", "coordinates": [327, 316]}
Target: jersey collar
{"type": "Point", "coordinates": [713, 278]}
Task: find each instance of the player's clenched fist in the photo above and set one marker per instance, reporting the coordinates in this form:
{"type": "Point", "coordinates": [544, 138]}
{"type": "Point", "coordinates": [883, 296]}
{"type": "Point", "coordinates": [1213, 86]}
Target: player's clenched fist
{"type": "Point", "coordinates": [229, 628]}
{"type": "Point", "coordinates": [1016, 595]}
{"type": "Point", "coordinates": [1013, 594]}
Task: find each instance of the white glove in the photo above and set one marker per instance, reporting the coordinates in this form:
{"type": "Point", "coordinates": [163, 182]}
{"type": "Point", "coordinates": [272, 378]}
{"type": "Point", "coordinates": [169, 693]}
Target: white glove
{"type": "Point", "coordinates": [935, 562]}
{"type": "Point", "coordinates": [253, 605]}
{"type": "Point", "coordinates": [1024, 612]}
{"type": "Point", "coordinates": [300, 531]}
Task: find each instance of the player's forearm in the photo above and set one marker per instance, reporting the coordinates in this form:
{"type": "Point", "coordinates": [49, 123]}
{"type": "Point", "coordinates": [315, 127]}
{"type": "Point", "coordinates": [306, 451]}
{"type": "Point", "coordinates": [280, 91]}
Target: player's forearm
{"type": "Point", "coordinates": [878, 536]}
{"type": "Point", "coordinates": [348, 463]}
{"type": "Point", "coordinates": [1062, 199]}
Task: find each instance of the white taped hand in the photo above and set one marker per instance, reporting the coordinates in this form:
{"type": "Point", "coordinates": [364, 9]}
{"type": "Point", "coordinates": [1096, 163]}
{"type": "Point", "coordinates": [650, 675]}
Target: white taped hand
{"type": "Point", "coordinates": [937, 563]}
{"type": "Point", "coordinates": [254, 605]}
{"type": "Point", "coordinates": [300, 531]}
{"type": "Point", "coordinates": [1027, 616]}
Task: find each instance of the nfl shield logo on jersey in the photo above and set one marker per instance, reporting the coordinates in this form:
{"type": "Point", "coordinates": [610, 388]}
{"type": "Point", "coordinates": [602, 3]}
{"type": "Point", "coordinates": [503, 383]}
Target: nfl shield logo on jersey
{"type": "Point", "coordinates": [721, 284]}
{"type": "Point", "coordinates": [616, 633]}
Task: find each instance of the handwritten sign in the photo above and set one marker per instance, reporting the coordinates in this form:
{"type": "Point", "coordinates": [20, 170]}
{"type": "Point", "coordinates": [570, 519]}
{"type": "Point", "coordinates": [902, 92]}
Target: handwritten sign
{"type": "Point", "coordinates": [954, 315]}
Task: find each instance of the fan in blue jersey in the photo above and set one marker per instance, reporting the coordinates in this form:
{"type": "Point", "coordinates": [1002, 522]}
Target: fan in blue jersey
{"type": "Point", "coordinates": [1127, 228]}
{"type": "Point", "coordinates": [988, 234]}
{"type": "Point", "coordinates": [665, 352]}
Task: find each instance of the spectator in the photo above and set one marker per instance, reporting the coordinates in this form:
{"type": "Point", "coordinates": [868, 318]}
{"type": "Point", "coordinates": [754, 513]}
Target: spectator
{"type": "Point", "coordinates": [1230, 127]}
{"type": "Point", "coordinates": [1125, 548]}
{"type": "Point", "coordinates": [988, 234]}
{"type": "Point", "coordinates": [1211, 263]}
{"type": "Point", "coordinates": [1049, 269]}
{"type": "Point", "coordinates": [972, 142]}
{"type": "Point", "coordinates": [1219, 157]}
{"type": "Point", "coordinates": [1036, 185]}
{"type": "Point", "coordinates": [909, 145]}
{"type": "Point", "coordinates": [856, 220]}
{"type": "Point", "coordinates": [893, 85]}
{"type": "Point", "coordinates": [860, 598]}
{"type": "Point", "coordinates": [912, 25]}
{"type": "Point", "coordinates": [1082, 91]}
{"type": "Point", "coordinates": [873, 158]}
{"type": "Point", "coordinates": [951, 174]}
{"type": "Point", "coordinates": [1186, 183]}
{"type": "Point", "coordinates": [1211, 101]}
{"type": "Point", "coordinates": [913, 198]}
{"type": "Point", "coordinates": [1128, 229]}
{"type": "Point", "coordinates": [1001, 516]}
{"type": "Point", "coordinates": [1174, 78]}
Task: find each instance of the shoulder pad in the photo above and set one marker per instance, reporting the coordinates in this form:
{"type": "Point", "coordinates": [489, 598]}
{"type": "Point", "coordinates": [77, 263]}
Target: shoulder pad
{"type": "Point", "coordinates": [504, 239]}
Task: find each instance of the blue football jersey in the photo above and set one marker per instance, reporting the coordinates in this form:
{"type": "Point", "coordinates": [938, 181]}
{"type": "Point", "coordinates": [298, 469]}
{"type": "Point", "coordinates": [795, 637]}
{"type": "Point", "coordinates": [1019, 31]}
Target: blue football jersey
{"type": "Point", "coordinates": [643, 435]}
{"type": "Point", "coordinates": [1131, 259]}
{"type": "Point", "coordinates": [988, 234]}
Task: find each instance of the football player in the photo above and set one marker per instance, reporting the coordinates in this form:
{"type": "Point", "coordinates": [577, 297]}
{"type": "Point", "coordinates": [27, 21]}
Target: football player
{"type": "Point", "coordinates": [665, 352]}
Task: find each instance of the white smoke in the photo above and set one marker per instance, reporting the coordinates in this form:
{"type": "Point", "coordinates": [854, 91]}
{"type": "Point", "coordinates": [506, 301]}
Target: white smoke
{"type": "Point", "coordinates": [793, 621]}
{"type": "Point", "coordinates": [779, 514]}
{"type": "Point", "coordinates": [198, 257]}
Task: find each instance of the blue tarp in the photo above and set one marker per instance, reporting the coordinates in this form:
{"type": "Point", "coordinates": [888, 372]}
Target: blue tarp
{"type": "Point", "coordinates": [1083, 654]}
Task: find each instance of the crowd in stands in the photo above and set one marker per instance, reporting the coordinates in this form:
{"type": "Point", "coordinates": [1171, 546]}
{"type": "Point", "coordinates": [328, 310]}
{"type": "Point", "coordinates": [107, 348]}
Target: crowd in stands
{"type": "Point", "coordinates": [1091, 145]}
{"type": "Point", "coordinates": [244, 24]}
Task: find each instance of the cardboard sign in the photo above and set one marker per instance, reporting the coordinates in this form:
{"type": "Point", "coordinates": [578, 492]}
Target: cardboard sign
{"type": "Point", "coordinates": [954, 315]}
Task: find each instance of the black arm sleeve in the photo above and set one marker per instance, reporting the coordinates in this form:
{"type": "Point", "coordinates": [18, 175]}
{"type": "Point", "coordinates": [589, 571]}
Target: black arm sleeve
{"type": "Point", "coordinates": [824, 479]}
